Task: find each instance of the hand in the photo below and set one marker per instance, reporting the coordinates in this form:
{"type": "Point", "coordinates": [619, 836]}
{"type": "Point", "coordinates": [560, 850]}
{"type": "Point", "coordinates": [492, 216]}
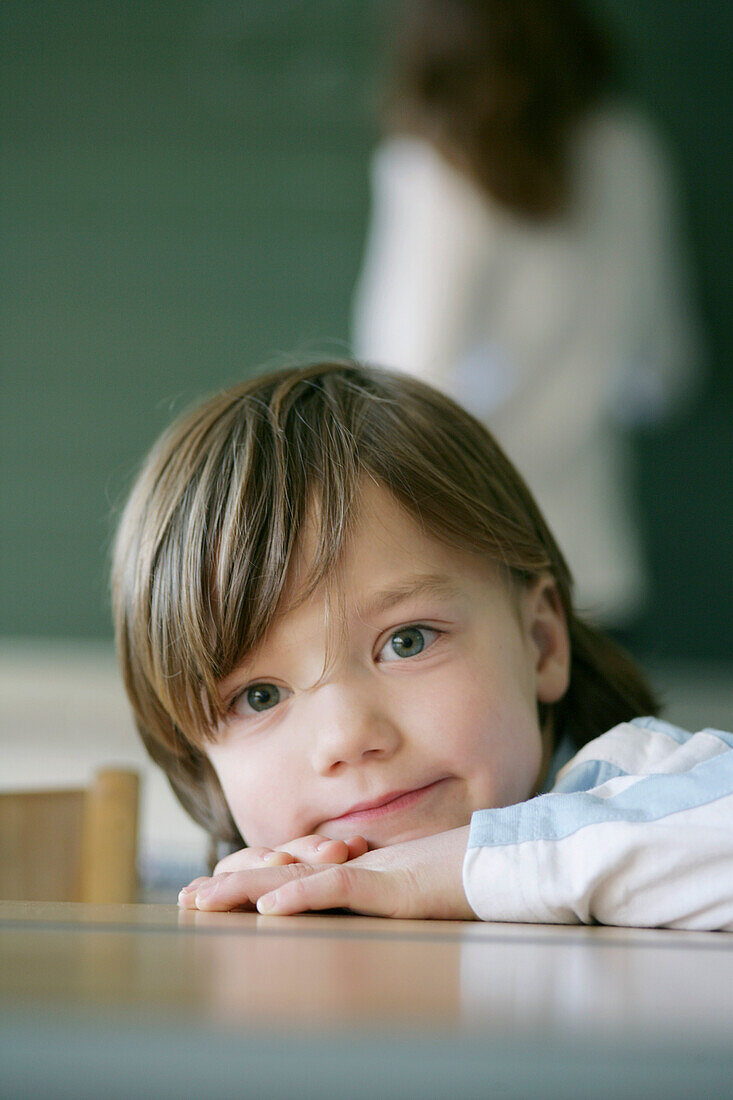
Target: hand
{"type": "Point", "coordinates": [419, 879]}
{"type": "Point", "coordinates": [313, 850]}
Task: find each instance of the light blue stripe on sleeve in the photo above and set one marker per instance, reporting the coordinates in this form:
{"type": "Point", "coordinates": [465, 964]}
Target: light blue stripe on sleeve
{"type": "Point", "coordinates": [676, 733]}
{"type": "Point", "coordinates": [591, 773]}
{"type": "Point", "coordinates": [556, 816]}
{"type": "Point", "coordinates": [658, 725]}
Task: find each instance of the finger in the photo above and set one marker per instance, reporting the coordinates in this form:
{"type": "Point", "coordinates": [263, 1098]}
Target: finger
{"type": "Point", "coordinates": [241, 860]}
{"type": "Point", "coordinates": [316, 849]}
{"type": "Point", "coordinates": [358, 846]}
{"type": "Point", "coordinates": [194, 883]}
{"type": "Point", "coordinates": [279, 858]}
{"type": "Point", "coordinates": [241, 889]}
{"type": "Point", "coordinates": [187, 896]}
{"type": "Point", "coordinates": [307, 849]}
{"type": "Point", "coordinates": [249, 859]}
{"type": "Point", "coordinates": [343, 887]}
{"type": "Point", "coordinates": [320, 849]}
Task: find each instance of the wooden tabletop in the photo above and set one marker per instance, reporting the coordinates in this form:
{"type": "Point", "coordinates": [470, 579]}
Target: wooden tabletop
{"type": "Point", "coordinates": [381, 1002]}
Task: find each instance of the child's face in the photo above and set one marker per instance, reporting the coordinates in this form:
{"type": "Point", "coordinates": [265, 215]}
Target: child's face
{"type": "Point", "coordinates": [425, 712]}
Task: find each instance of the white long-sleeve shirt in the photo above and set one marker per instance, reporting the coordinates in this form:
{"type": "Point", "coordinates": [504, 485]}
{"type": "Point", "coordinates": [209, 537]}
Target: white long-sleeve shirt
{"type": "Point", "coordinates": [637, 830]}
{"type": "Point", "coordinates": [544, 330]}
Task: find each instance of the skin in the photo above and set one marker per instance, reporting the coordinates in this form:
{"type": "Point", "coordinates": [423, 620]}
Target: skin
{"type": "Point", "coordinates": [420, 687]}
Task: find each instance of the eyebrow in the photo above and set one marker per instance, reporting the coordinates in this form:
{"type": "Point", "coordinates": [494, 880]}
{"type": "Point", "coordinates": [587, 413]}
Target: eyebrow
{"type": "Point", "coordinates": [425, 584]}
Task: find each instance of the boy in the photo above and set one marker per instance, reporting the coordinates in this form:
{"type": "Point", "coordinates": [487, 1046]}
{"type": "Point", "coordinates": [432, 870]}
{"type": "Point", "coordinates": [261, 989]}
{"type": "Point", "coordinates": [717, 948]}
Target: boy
{"type": "Point", "coordinates": [348, 637]}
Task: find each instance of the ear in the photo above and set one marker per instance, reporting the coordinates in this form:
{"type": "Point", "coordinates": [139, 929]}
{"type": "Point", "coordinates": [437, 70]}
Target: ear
{"type": "Point", "coordinates": [548, 637]}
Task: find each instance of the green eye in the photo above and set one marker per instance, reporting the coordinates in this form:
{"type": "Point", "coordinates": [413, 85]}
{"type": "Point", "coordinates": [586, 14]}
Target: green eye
{"type": "Point", "coordinates": [257, 698]}
{"type": "Point", "coordinates": [263, 696]}
{"type": "Point", "coordinates": [408, 642]}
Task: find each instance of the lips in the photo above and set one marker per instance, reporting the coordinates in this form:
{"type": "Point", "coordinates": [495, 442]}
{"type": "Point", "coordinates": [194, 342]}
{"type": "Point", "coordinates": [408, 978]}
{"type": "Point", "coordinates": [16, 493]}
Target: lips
{"type": "Point", "coordinates": [388, 803]}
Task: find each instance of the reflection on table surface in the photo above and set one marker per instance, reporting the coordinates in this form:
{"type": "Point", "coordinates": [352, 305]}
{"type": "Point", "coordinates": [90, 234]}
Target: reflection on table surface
{"type": "Point", "coordinates": [325, 979]}
{"type": "Point", "coordinates": [318, 971]}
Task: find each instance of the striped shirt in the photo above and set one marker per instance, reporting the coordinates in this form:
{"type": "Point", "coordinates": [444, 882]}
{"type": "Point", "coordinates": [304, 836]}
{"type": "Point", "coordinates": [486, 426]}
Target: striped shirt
{"type": "Point", "coordinates": [637, 830]}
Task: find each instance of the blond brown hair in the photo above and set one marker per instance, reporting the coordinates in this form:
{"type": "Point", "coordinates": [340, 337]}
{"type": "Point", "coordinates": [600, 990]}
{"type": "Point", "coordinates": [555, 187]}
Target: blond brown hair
{"type": "Point", "coordinates": [207, 539]}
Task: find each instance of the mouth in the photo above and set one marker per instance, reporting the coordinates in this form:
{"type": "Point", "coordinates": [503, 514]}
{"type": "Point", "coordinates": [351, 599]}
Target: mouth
{"type": "Point", "coordinates": [388, 804]}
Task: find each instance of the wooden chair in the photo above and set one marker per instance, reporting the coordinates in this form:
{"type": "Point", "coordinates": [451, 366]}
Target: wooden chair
{"type": "Point", "coordinates": [71, 845]}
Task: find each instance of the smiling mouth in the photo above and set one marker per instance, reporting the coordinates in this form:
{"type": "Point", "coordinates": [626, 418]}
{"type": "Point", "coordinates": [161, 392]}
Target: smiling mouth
{"type": "Point", "coordinates": [392, 803]}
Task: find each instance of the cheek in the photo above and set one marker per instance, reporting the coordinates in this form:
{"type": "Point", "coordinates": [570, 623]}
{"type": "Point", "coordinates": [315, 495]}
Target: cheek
{"type": "Point", "coordinates": [454, 719]}
{"type": "Point", "coordinates": [517, 760]}
{"type": "Point", "coordinates": [260, 792]}
{"type": "Point", "coordinates": [494, 739]}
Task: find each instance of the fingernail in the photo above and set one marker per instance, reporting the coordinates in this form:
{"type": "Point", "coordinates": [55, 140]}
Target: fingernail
{"type": "Point", "coordinates": [267, 903]}
{"type": "Point", "coordinates": [187, 889]}
{"type": "Point", "coordinates": [268, 856]}
{"type": "Point", "coordinates": [323, 844]}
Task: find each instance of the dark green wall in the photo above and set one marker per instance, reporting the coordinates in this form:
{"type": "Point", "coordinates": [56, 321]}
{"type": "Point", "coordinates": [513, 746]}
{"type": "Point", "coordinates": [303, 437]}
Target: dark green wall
{"type": "Point", "coordinates": [677, 60]}
{"type": "Point", "coordinates": [183, 196]}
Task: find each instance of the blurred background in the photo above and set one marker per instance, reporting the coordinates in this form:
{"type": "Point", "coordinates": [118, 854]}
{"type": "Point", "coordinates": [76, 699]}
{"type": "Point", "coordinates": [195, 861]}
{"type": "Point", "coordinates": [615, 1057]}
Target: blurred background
{"type": "Point", "coordinates": [183, 198]}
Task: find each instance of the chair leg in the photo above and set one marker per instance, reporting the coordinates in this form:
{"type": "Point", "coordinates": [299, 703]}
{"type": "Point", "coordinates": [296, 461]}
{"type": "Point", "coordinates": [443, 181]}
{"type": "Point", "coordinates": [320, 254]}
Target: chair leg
{"type": "Point", "coordinates": [109, 854]}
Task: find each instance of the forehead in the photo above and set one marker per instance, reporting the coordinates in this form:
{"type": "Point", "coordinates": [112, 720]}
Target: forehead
{"type": "Point", "coordinates": [386, 546]}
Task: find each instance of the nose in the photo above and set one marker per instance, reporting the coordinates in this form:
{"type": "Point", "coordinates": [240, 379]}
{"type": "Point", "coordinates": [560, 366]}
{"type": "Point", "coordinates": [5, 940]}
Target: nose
{"type": "Point", "coordinates": [350, 726]}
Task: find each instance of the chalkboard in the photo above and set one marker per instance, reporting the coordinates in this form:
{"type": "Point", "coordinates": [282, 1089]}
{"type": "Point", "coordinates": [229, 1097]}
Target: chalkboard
{"type": "Point", "coordinates": [183, 197]}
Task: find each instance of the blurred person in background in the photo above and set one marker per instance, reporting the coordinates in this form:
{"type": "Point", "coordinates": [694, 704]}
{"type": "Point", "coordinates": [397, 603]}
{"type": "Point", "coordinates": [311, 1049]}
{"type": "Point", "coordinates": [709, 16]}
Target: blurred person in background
{"type": "Point", "coordinates": [523, 256]}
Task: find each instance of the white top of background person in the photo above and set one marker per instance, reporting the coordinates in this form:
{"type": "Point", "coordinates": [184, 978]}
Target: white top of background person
{"type": "Point", "coordinates": [522, 256]}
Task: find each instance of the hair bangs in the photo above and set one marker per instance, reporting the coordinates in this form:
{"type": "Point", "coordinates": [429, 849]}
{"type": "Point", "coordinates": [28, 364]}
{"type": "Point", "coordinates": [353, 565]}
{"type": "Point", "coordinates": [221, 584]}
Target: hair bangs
{"type": "Point", "coordinates": [263, 525]}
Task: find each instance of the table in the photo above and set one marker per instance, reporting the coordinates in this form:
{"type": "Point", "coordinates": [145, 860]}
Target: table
{"type": "Point", "coordinates": [142, 1000]}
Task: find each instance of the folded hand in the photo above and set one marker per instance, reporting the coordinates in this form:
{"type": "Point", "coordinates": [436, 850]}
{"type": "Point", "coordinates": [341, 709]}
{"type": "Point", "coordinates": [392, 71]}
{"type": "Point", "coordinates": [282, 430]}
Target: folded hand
{"type": "Point", "coordinates": [418, 879]}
